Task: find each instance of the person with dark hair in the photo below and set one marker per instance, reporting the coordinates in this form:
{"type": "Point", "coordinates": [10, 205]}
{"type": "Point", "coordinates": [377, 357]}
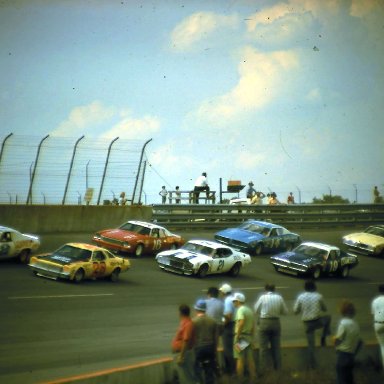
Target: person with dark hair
{"type": "Point", "coordinates": [201, 184]}
{"type": "Point", "coordinates": [268, 308]}
{"type": "Point", "coordinates": [310, 304]}
{"type": "Point", "coordinates": [347, 342]}
{"type": "Point", "coordinates": [182, 347]}
{"type": "Point", "coordinates": [377, 309]}
{"type": "Point", "coordinates": [206, 340]}
{"type": "Point", "coordinates": [215, 306]}
{"type": "Point", "coordinates": [178, 195]}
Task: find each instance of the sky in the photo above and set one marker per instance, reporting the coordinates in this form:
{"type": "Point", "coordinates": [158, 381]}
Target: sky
{"type": "Point", "coordinates": [288, 94]}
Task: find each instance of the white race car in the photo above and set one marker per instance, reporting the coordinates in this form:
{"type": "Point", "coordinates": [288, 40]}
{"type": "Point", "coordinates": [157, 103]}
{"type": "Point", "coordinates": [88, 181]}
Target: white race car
{"type": "Point", "coordinates": [370, 241]}
{"type": "Point", "coordinates": [16, 244]}
{"type": "Point", "coordinates": [203, 257]}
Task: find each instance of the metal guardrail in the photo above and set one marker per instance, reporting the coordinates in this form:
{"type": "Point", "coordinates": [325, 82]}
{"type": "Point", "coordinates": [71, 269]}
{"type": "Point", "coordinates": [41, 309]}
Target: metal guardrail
{"type": "Point", "coordinates": [216, 216]}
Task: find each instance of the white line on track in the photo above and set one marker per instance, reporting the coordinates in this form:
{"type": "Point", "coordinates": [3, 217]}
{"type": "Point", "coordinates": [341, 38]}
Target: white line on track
{"type": "Point", "coordinates": [57, 296]}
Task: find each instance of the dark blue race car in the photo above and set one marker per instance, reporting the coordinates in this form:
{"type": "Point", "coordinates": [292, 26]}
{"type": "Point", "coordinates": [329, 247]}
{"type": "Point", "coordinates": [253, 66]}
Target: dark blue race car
{"type": "Point", "coordinates": [256, 237]}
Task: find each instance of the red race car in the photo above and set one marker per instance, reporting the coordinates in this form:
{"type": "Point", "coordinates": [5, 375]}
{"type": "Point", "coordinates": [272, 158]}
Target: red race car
{"type": "Point", "coordinates": [138, 237]}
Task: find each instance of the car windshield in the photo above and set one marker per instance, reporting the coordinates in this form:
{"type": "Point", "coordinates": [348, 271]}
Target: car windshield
{"type": "Point", "coordinates": [73, 253]}
{"type": "Point", "coordinates": [253, 227]}
{"type": "Point", "coordinates": [198, 248]}
{"type": "Point", "coordinates": [137, 228]}
{"type": "Point", "coordinates": [375, 231]}
{"type": "Point", "coordinates": [311, 251]}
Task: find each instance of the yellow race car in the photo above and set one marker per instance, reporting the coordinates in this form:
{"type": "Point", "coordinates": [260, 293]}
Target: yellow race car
{"type": "Point", "coordinates": [79, 261]}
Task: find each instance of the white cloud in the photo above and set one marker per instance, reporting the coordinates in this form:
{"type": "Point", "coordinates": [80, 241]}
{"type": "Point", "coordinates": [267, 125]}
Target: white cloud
{"type": "Point", "coordinates": [82, 118]}
{"type": "Point", "coordinates": [197, 27]}
{"type": "Point", "coordinates": [95, 119]}
{"type": "Point", "coordinates": [259, 82]}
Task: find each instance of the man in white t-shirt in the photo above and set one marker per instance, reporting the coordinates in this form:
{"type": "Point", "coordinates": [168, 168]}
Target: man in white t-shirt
{"type": "Point", "coordinates": [377, 309]}
{"type": "Point", "coordinates": [201, 184]}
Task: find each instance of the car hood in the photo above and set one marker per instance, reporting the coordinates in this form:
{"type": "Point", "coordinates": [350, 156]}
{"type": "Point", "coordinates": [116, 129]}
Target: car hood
{"type": "Point", "coordinates": [295, 257]}
{"type": "Point", "coordinates": [119, 234]}
{"type": "Point", "coordinates": [56, 259]}
{"type": "Point", "coordinates": [366, 238]}
{"type": "Point", "coordinates": [181, 254]}
{"type": "Point", "coordinates": [241, 235]}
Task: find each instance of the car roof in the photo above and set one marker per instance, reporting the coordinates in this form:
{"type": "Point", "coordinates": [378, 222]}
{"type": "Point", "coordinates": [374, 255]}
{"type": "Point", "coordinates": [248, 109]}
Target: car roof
{"type": "Point", "coordinates": [381, 226]}
{"type": "Point", "coordinates": [265, 224]}
{"type": "Point", "coordinates": [208, 243]}
{"type": "Point", "coordinates": [325, 247]}
{"type": "Point", "coordinates": [89, 247]}
{"type": "Point", "coordinates": [145, 224]}
{"type": "Point", "coordinates": [6, 229]}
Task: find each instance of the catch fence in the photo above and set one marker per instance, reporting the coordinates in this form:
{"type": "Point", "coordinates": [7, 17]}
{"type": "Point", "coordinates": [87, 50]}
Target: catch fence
{"type": "Point", "coordinates": [69, 170]}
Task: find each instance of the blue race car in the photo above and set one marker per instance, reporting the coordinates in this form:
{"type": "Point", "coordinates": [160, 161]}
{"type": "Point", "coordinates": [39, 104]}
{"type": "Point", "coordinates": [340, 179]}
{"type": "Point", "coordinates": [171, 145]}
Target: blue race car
{"type": "Point", "coordinates": [256, 237]}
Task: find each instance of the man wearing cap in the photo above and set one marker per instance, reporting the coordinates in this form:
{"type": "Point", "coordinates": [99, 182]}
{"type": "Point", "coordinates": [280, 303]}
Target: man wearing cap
{"type": "Point", "coordinates": [206, 338]}
{"type": "Point", "coordinates": [228, 329]}
{"type": "Point", "coordinates": [244, 329]}
{"type": "Point", "coordinates": [250, 190]}
{"type": "Point", "coordinates": [182, 346]}
{"type": "Point", "coordinates": [268, 309]}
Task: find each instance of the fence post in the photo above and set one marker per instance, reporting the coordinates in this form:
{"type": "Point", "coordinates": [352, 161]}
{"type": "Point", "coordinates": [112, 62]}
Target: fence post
{"type": "Point", "coordinates": [70, 169]}
{"type": "Point", "coordinates": [29, 198]}
{"type": "Point", "coordinates": [105, 169]}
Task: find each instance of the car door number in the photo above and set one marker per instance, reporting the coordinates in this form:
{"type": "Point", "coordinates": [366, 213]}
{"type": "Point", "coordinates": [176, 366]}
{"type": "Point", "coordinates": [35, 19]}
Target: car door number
{"type": "Point", "coordinates": [99, 268]}
{"type": "Point", "coordinates": [333, 265]}
{"type": "Point", "coordinates": [156, 244]}
{"type": "Point", "coordinates": [220, 265]}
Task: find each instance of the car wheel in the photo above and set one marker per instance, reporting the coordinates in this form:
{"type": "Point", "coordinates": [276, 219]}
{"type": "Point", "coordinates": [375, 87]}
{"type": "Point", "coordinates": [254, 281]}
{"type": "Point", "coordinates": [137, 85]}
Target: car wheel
{"type": "Point", "coordinates": [344, 272]}
{"type": "Point", "coordinates": [235, 270]}
{"type": "Point", "coordinates": [316, 273]}
{"type": "Point", "coordinates": [24, 256]}
{"type": "Point", "coordinates": [139, 250]}
{"type": "Point", "coordinates": [115, 275]}
{"type": "Point", "coordinates": [258, 249]}
{"type": "Point", "coordinates": [79, 276]}
{"type": "Point", "coordinates": [203, 271]}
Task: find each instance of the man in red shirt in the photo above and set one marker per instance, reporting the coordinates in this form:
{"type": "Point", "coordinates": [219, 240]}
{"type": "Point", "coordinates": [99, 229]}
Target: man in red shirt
{"type": "Point", "coordinates": [182, 346]}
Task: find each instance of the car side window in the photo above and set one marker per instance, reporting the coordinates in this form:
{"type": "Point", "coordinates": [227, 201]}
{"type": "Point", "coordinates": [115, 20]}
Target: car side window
{"type": "Point", "coordinates": [6, 237]}
{"type": "Point", "coordinates": [155, 232]}
{"type": "Point", "coordinates": [162, 233]}
{"type": "Point", "coordinates": [273, 232]}
{"type": "Point", "coordinates": [223, 252]}
{"type": "Point", "coordinates": [98, 256]}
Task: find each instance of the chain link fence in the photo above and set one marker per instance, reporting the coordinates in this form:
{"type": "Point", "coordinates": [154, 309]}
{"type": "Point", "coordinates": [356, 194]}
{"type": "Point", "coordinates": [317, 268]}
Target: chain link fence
{"type": "Point", "coordinates": [70, 170]}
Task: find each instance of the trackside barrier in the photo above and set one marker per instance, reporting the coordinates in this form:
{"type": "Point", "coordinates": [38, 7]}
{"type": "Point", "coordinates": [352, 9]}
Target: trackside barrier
{"type": "Point", "coordinates": [177, 216]}
{"type": "Point", "coordinates": [160, 371]}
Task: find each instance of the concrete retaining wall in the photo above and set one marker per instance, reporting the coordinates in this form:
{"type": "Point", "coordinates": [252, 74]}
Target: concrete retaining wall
{"type": "Point", "coordinates": [160, 371]}
{"type": "Point", "coordinates": [38, 219]}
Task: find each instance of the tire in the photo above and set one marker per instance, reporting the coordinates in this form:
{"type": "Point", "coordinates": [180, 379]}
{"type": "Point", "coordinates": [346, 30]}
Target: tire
{"type": "Point", "coordinates": [79, 276]}
{"type": "Point", "coordinates": [316, 273]}
{"type": "Point", "coordinates": [139, 250]}
{"type": "Point", "coordinates": [203, 271]}
{"type": "Point", "coordinates": [235, 270]}
{"type": "Point", "coordinates": [258, 249]}
{"type": "Point", "coordinates": [24, 256]}
{"type": "Point", "coordinates": [115, 275]}
{"type": "Point", "coordinates": [344, 272]}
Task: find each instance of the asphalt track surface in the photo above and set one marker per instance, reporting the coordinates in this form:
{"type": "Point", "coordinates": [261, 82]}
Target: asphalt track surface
{"type": "Point", "coordinates": [52, 329]}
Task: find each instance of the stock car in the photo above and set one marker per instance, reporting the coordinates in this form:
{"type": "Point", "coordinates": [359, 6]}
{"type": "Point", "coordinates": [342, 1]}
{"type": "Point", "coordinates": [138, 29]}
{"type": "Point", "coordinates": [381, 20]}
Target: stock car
{"type": "Point", "coordinates": [138, 237]}
{"type": "Point", "coordinates": [79, 261]}
{"type": "Point", "coordinates": [256, 237]}
{"type": "Point", "coordinates": [370, 241]}
{"type": "Point", "coordinates": [315, 259]}
{"type": "Point", "coordinates": [203, 257]}
{"type": "Point", "coordinates": [14, 244]}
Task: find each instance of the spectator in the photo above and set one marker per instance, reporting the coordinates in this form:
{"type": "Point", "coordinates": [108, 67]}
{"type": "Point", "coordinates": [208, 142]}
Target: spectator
{"type": "Point", "coordinates": [243, 340]}
{"type": "Point", "coordinates": [178, 195]}
{"type": "Point", "coordinates": [122, 200]}
{"type": "Point", "coordinates": [228, 329]}
{"type": "Point", "coordinates": [377, 309]}
{"type": "Point", "coordinates": [290, 198]}
{"type": "Point", "coordinates": [215, 306]}
{"type": "Point", "coordinates": [258, 198]}
{"type": "Point", "coordinates": [201, 184]}
{"type": "Point", "coordinates": [163, 193]}
{"type": "Point", "coordinates": [376, 195]}
{"type": "Point", "coordinates": [273, 199]}
{"type": "Point", "coordinates": [182, 347]}
{"type": "Point", "coordinates": [312, 307]}
{"type": "Point", "coordinates": [268, 308]}
{"type": "Point", "coordinates": [206, 338]}
{"type": "Point", "coordinates": [250, 190]}
{"type": "Point", "coordinates": [347, 343]}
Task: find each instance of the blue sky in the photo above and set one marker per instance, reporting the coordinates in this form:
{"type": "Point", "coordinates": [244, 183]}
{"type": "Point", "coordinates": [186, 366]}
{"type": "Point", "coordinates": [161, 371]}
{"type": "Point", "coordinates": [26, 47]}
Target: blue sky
{"type": "Point", "coordinates": [288, 94]}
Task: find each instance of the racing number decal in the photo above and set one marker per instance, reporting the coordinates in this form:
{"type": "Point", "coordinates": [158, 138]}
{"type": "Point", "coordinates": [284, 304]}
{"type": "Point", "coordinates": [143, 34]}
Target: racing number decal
{"type": "Point", "coordinates": [156, 244]}
{"type": "Point", "coordinates": [333, 265]}
{"type": "Point", "coordinates": [99, 268]}
{"type": "Point", "coordinates": [221, 265]}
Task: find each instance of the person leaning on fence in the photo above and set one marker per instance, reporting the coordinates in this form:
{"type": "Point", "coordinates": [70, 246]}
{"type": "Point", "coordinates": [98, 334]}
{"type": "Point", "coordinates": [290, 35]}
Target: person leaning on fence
{"type": "Point", "coordinates": [310, 304]}
{"type": "Point", "coordinates": [178, 195]}
{"type": "Point", "coordinates": [201, 184]}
